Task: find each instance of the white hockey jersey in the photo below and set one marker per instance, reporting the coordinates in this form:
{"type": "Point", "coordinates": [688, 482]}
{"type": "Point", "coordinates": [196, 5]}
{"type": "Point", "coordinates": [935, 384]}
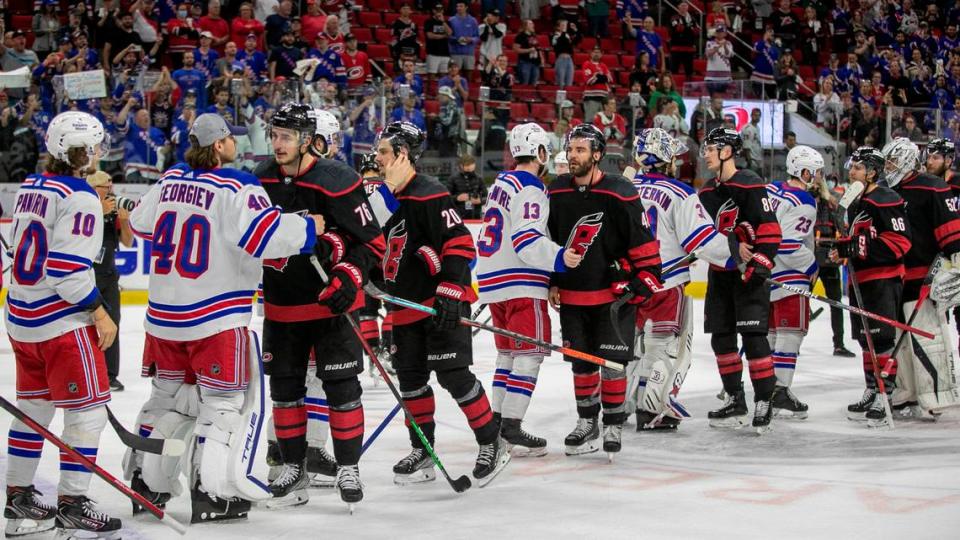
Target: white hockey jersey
{"type": "Point", "coordinates": [516, 254]}
{"type": "Point", "coordinates": [795, 262]}
{"type": "Point", "coordinates": [681, 224]}
{"type": "Point", "coordinates": [57, 232]}
{"type": "Point", "coordinates": [210, 231]}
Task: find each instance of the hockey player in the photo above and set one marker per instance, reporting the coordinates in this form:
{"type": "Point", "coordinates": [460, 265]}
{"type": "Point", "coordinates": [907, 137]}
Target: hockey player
{"type": "Point", "coordinates": [58, 329]}
{"type": "Point", "coordinates": [739, 302]}
{"type": "Point", "coordinates": [516, 259]}
{"type": "Point", "coordinates": [429, 251]}
{"type": "Point", "coordinates": [326, 140]}
{"type": "Point", "coordinates": [682, 227]}
{"type": "Point", "coordinates": [939, 157]}
{"type": "Point", "coordinates": [795, 265]}
{"type": "Point", "coordinates": [600, 217]}
{"type": "Point", "coordinates": [925, 381]}
{"type": "Point", "coordinates": [878, 238]}
{"type": "Point", "coordinates": [560, 164]}
{"type": "Point", "coordinates": [302, 314]}
{"type": "Point", "coordinates": [210, 227]}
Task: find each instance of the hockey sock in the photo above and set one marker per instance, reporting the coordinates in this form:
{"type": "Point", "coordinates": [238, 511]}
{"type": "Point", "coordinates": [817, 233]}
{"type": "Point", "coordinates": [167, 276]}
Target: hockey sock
{"type": "Point", "coordinates": [762, 377]}
{"type": "Point", "coordinates": [467, 390]}
{"type": "Point", "coordinates": [500, 379]}
{"type": "Point", "coordinates": [731, 372]}
{"type": "Point", "coordinates": [346, 419]}
{"type": "Point", "coordinates": [422, 405]}
{"type": "Point", "coordinates": [370, 331]}
{"type": "Point", "coordinates": [613, 392]}
{"type": "Point", "coordinates": [886, 364]}
{"type": "Point", "coordinates": [290, 424]}
{"type": "Point", "coordinates": [24, 444]}
{"type": "Point", "coordinates": [81, 430]}
{"type": "Point", "coordinates": [318, 413]}
{"type": "Point", "coordinates": [586, 390]}
{"type": "Point", "coordinates": [520, 385]}
{"type": "Point", "coordinates": [785, 351]}
{"type": "Point", "coordinates": [868, 375]}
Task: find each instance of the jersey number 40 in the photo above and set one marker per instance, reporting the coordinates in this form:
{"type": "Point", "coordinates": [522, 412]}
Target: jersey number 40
{"type": "Point", "coordinates": [189, 253]}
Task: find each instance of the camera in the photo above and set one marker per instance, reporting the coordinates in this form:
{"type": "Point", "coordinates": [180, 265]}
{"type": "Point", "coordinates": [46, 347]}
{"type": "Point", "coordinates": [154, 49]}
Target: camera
{"type": "Point", "coordinates": [126, 204]}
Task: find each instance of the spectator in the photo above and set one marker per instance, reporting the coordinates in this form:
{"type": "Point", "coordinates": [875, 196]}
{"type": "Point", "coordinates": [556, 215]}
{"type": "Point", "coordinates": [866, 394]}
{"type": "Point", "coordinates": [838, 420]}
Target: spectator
{"type": "Point", "coordinates": [408, 112]}
{"type": "Point", "coordinates": [411, 79]}
{"type": "Point", "coordinates": [811, 34]}
{"type": "Point", "coordinates": [468, 189]}
{"type": "Point", "coordinates": [448, 125]}
{"type": "Point", "coordinates": [160, 98]}
{"type": "Point", "coordinates": [909, 129]}
{"type": "Point", "coordinates": [264, 9]}
{"type": "Point", "coordinates": [356, 63]}
{"type": "Point", "coordinates": [866, 129]}
{"type": "Point", "coordinates": [252, 58]}
{"type": "Point", "coordinates": [529, 54]}
{"type": "Point", "coordinates": [498, 78]}
{"type": "Point", "coordinates": [46, 24]}
{"type": "Point", "coordinates": [465, 37]}
{"type": "Point", "coordinates": [77, 21]}
{"type": "Point", "coordinates": [278, 23]}
{"type": "Point", "coordinates": [785, 24]}
{"type": "Point", "coordinates": [314, 21]}
{"type": "Point", "coordinates": [924, 41]}
{"type": "Point", "coordinates": [765, 56]}
{"type": "Point", "coordinates": [296, 28]}
{"type": "Point", "coordinates": [181, 128]}
{"type": "Point", "coordinates": [121, 37]}
{"type": "Point", "coordinates": [205, 56]}
{"type": "Point", "coordinates": [665, 90]}
{"type": "Point", "coordinates": [14, 55]}
{"type": "Point", "coordinates": [787, 76]}
{"type": "Point", "coordinates": [500, 6]}
{"type": "Point", "coordinates": [365, 119]}
{"type": "Point", "coordinates": [529, 9]}
{"type": "Point", "coordinates": [215, 24]}
{"type": "Point", "coordinates": [184, 32]}
{"type": "Point", "coordinates": [565, 36]}
{"type": "Point", "coordinates": [849, 75]}
{"type": "Point", "coordinates": [329, 64]}
{"type": "Point", "coordinates": [832, 71]}
{"type": "Point", "coordinates": [332, 29]}
{"type": "Point", "coordinates": [671, 120]}
{"type": "Point", "coordinates": [611, 124]}
{"type": "Point", "coordinates": [567, 112]}
{"type": "Point", "coordinates": [636, 10]}
{"type": "Point", "coordinates": [283, 59]}
{"type": "Point", "coordinates": [437, 33]}
{"type": "Point", "coordinates": [752, 153]}
{"type": "Point", "coordinates": [147, 26]}
{"type": "Point", "coordinates": [405, 44]}
{"type": "Point", "coordinates": [456, 82]}
{"type": "Point", "coordinates": [898, 85]}
{"type": "Point", "coordinates": [597, 79]}
{"type": "Point", "coordinates": [244, 24]}
{"type": "Point", "coordinates": [827, 105]}
{"type": "Point", "coordinates": [560, 129]}
{"type": "Point", "coordinates": [643, 74]}
{"type": "Point", "coordinates": [90, 57]}
{"type": "Point", "coordinates": [491, 37]}
{"type": "Point", "coordinates": [719, 52]}
{"type": "Point", "coordinates": [649, 41]}
{"type": "Point", "coordinates": [598, 15]}
{"type": "Point", "coordinates": [221, 105]}
{"type": "Point", "coordinates": [706, 119]}
{"type": "Point", "coordinates": [143, 144]}
{"type": "Point", "coordinates": [684, 33]}
{"type": "Point", "coordinates": [840, 25]}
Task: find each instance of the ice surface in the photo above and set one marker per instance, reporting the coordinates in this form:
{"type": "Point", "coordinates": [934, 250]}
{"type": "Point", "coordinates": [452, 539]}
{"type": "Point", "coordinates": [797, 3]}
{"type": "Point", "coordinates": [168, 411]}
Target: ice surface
{"type": "Point", "coordinates": [825, 477]}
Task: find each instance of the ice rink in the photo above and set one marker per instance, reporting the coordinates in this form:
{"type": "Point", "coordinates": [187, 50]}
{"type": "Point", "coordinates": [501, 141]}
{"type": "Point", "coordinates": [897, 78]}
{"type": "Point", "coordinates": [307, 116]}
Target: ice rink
{"type": "Point", "coordinates": [825, 477]}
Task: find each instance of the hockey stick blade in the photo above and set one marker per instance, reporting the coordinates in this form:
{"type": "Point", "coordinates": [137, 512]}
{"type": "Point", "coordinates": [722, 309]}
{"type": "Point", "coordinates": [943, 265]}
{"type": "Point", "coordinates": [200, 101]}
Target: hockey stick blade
{"type": "Point", "coordinates": [163, 447]}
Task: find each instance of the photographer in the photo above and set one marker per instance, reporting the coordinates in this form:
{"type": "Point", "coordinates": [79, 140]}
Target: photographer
{"type": "Point", "coordinates": [468, 189]}
{"type": "Point", "coordinates": [829, 215]}
{"type": "Point", "coordinates": [116, 229]}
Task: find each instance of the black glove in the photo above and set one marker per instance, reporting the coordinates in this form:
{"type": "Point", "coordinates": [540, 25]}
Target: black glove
{"type": "Point", "coordinates": [449, 305]}
{"type": "Point", "coordinates": [758, 268]}
{"type": "Point", "coordinates": [331, 247]}
{"type": "Point", "coordinates": [853, 246]}
{"type": "Point", "coordinates": [341, 292]}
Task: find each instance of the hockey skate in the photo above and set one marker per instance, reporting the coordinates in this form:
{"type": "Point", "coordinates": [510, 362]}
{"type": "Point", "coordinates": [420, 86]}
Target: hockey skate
{"type": "Point", "coordinates": [349, 485]}
{"type": "Point", "coordinates": [491, 460]}
{"type": "Point", "coordinates": [26, 513]}
{"type": "Point", "coordinates": [584, 439]}
{"type": "Point", "coordinates": [858, 411]}
{"type": "Point", "coordinates": [321, 468]}
{"type": "Point", "coordinates": [876, 415]}
{"type": "Point", "coordinates": [647, 421]}
{"type": "Point", "coordinates": [911, 410]}
{"type": "Point", "coordinates": [416, 468]}
{"type": "Point", "coordinates": [519, 442]}
{"type": "Point", "coordinates": [274, 460]}
{"type": "Point", "coordinates": [206, 507]}
{"type": "Point", "coordinates": [786, 404]}
{"type": "Point", "coordinates": [290, 487]}
{"type": "Point", "coordinates": [733, 414]}
{"type": "Point", "coordinates": [158, 499]}
{"type": "Point", "coordinates": [77, 518]}
{"type": "Point", "coordinates": [611, 440]}
{"type": "Point", "coordinates": [762, 415]}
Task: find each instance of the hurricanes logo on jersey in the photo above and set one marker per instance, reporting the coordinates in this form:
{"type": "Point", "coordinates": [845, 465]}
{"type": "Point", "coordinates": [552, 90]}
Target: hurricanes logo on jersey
{"type": "Point", "coordinates": [585, 232]}
{"type": "Point", "coordinates": [396, 243]}
{"type": "Point", "coordinates": [727, 216]}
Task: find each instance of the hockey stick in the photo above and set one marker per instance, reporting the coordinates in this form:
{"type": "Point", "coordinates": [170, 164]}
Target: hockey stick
{"type": "Point", "coordinates": [873, 353]}
{"type": "Point", "coordinates": [852, 309]}
{"type": "Point", "coordinates": [485, 321]}
{"type": "Point", "coordinates": [816, 313]}
{"type": "Point", "coordinates": [476, 313]}
{"type": "Point", "coordinates": [377, 293]}
{"type": "Point", "coordinates": [924, 294]}
{"type": "Point", "coordinates": [164, 447]}
{"type": "Point", "coordinates": [160, 513]}
{"type": "Point", "coordinates": [380, 428]}
{"type": "Point", "coordinates": [460, 484]}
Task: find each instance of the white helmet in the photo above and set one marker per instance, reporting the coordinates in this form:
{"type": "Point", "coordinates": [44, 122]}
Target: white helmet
{"type": "Point", "coordinates": [73, 129]}
{"type": "Point", "coordinates": [903, 158]}
{"type": "Point", "coordinates": [803, 158]}
{"type": "Point", "coordinates": [328, 127]}
{"type": "Point", "coordinates": [527, 139]}
{"type": "Point", "coordinates": [560, 158]}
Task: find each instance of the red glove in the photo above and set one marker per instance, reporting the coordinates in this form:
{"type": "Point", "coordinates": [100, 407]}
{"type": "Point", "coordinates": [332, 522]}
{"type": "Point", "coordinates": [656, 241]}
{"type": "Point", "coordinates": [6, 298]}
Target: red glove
{"type": "Point", "coordinates": [330, 246]}
{"type": "Point", "coordinates": [854, 246]}
{"type": "Point", "coordinates": [341, 292]}
{"type": "Point", "coordinates": [745, 233]}
{"type": "Point", "coordinates": [758, 268]}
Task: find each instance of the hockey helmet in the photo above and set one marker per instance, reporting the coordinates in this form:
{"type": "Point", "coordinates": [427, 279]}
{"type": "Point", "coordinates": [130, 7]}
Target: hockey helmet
{"type": "Point", "coordinates": [295, 116]}
{"type": "Point", "coordinates": [902, 158]}
{"type": "Point", "coordinates": [655, 147]}
{"type": "Point", "coordinates": [560, 158]}
{"type": "Point", "coordinates": [73, 129]}
{"type": "Point", "coordinates": [404, 134]}
{"type": "Point", "coordinates": [720, 137]}
{"type": "Point", "coordinates": [526, 140]}
{"type": "Point", "coordinates": [589, 132]}
{"type": "Point", "coordinates": [803, 158]}
{"type": "Point", "coordinates": [871, 158]}
{"type": "Point", "coordinates": [327, 127]}
{"type": "Point", "coordinates": [944, 147]}
{"type": "Point", "coordinates": [368, 162]}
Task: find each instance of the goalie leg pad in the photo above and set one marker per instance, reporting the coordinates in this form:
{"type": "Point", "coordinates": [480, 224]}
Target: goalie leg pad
{"type": "Point", "coordinates": [162, 473]}
{"type": "Point", "coordinates": [931, 363]}
{"type": "Point", "coordinates": [163, 399]}
{"type": "Point", "coordinates": [637, 371]}
{"type": "Point", "coordinates": [501, 376]}
{"type": "Point", "coordinates": [520, 385]}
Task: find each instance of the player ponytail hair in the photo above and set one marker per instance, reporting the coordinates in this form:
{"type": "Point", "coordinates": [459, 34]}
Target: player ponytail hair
{"type": "Point", "coordinates": [201, 157]}
{"type": "Point", "coordinates": [77, 160]}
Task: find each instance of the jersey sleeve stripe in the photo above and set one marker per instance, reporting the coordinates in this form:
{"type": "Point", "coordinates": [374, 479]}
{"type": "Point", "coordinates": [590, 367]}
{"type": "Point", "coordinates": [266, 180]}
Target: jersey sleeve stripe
{"type": "Point", "coordinates": [699, 237]}
{"type": "Point", "coordinates": [460, 246]}
{"type": "Point", "coordinates": [948, 232]}
{"type": "Point", "coordinates": [523, 239]}
{"type": "Point", "coordinates": [256, 233]}
{"type": "Point", "coordinates": [896, 242]}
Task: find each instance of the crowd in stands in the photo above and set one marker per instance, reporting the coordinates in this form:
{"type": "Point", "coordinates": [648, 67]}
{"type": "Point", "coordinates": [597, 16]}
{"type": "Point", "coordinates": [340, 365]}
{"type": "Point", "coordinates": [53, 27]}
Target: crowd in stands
{"type": "Point", "coordinates": [557, 62]}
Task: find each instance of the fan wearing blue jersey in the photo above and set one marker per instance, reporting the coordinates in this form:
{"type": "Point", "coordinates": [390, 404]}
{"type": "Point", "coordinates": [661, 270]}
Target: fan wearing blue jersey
{"type": "Point", "coordinates": [516, 259]}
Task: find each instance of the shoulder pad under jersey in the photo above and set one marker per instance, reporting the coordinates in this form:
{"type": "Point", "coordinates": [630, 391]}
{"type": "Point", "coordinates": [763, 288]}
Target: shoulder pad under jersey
{"type": "Point", "coordinates": [333, 178]}
{"type": "Point", "coordinates": [423, 187]}
{"type": "Point", "coordinates": [746, 177]}
{"type": "Point", "coordinates": [883, 196]}
{"type": "Point", "coordinates": [926, 181]}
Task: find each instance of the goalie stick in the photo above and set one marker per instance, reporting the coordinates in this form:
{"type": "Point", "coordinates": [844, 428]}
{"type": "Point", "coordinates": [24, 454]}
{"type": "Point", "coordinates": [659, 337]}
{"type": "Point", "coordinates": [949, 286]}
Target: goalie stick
{"type": "Point", "coordinates": [164, 447]}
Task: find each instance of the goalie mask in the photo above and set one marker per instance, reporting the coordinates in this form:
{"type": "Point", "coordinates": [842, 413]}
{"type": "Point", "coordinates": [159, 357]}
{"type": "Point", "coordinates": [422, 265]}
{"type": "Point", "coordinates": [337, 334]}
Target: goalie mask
{"type": "Point", "coordinates": [902, 159]}
{"type": "Point", "coordinates": [656, 149]}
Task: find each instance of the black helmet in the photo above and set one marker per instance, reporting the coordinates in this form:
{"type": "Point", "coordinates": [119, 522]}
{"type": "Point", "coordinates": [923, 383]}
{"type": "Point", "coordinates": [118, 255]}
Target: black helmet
{"type": "Point", "coordinates": [295, 116]}
{"type": "Point", "coordinates": [724, 137]}
{"type": "Point", "coordinates": [404, 134]}
{"type": "Point", "coordinates": [369, 163]}
{"type": "Point", "coordinates": [871, 158]}
{"type": "Point", "coordinates": [590, 132]}
{"type": "Point", "coordinates": [944, 147]}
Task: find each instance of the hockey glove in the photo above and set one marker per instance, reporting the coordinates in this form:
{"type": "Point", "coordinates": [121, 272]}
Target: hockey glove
{"type": "Point", "coordinates": [743, 233]}
{"type": "Point", "coordinates": [641, 286]}
{"type": "Point", "coordinates": [341, 292]}
{"type": "Point", "coordinates": [330, 247]}
{"type": "Point", "coordinates": [449, 305]}
{"type": "Point", "coordinates": [853, 246]}
{"type": "Point", "coordinates": [758, 268]}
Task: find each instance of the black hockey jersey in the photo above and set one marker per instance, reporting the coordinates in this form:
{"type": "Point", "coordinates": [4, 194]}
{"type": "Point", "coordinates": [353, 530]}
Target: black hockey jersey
{"type": "Point", "coordinates": [334, 190]}
{"type": "Point", "coordinates": [879, 214]}
{"type": "Point", "coordinates": [604, 222]}
{"type": "Point", "coordinates": [427, 243]}
{"type": "Point", "coordinates": [935, 227]}
{"type": "Point", "coordinates": [743, 198]}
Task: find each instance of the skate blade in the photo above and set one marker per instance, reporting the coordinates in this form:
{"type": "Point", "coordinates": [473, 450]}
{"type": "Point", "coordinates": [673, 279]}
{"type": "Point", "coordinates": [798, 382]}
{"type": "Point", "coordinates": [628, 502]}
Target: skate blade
{"type": "Point", "coordinates": [299, 497]}
{"type": "Point", "coordinates": [786, 414]}
{"type": "Point", "coordinates": [21, 527]}
{"type": "Point", "coordinates": [322, 481]}
{"type": "Point", "coordinates": [518, 451]}
{"type": "Point", "coordinates": [761, 430]}
{"type": "Point", "coordinates": [501, 464]}
{"type": "Point", "coordinates": [611, 455]}
{"type": "Point", "coordinates": [588, 447]}
{"type": "Point", "coordinates": [80, 534]}
{"type": "Point", "coordinates": [423, 475]}
{"type": "Point", "coordinates": [351, 507]}
{"type": "Point", "coordinates": [732, 422]}
{"type": "Point", "coordinates": [856, 417]}
{"type": "Point", "coordinates": [883, 424]}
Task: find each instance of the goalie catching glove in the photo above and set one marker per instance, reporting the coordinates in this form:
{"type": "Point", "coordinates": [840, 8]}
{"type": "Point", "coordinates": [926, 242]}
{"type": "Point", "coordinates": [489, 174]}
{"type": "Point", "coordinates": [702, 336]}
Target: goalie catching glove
{"type": "Point", "coordinates": [341, 293]}
{"type": "Point", "coordinates": [640, 285]}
